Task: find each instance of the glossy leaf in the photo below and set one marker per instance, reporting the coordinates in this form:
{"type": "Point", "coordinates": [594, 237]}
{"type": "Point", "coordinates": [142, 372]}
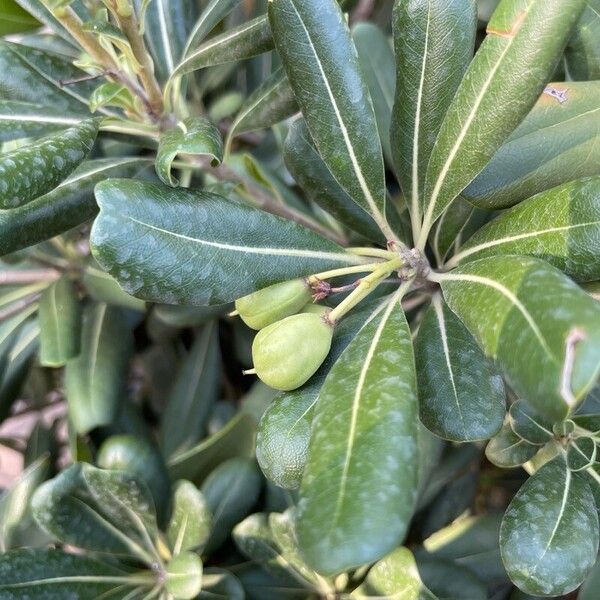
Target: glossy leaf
{"type": "Point", "coordinates": [561, 226]}
{"type": "Point", "coordinates": [461, 395]}
{"type": "Point", "coordinates": [193, 395]}
{"type": "Point", "coordinates": [506, 449]}
{"type": "Point", "coordinates": [60, 322]}
{"type": "Point", "coordinates": [191, 520]}
{"type": "Point", "coordinates": [396, 575]}
{"type": "Point", "coordinates": [13, 19]}
{"type": "Point", "coordinates": [37, 9]}
{"type": "Point", "coordinates": [520, 306]}
{"type": "Point", "coordinates": [557, 142]}
{"type": "Point", "coordinates": [449, 581]}
{"type": "Point", "coordinates": [214, 12]}
{"type": "Point", "coordinates": [31, 171]}
{"type": "Point", "coordinates": [103, 288]}
{"type": "Point", "coordinates": [235, 439]}
{"type": "Point", "coordinates": [582, 55]}
{"type": "Point", "coordinates": [581, 453]}
{"type": "Point", "coordinates": [188, 237]}
{"type": "Point", "coordinates": [434, 43]}
{"type": "Point", "coordinates": [218, 584]}
{"type": "Point", "coordinates": [231, 491]}
{"type": "Point", "coordinates": [316, 49]}
{"type": "Point", "coordinates": [102, 511]}
{"type": "Point", "coordinates": [95, 380]}
{"type": "Point", "coordinates": [272, 102]}
{"type": "Point", "coordinates": [244, 41]}
{"type": "Point", "coordinates": [189, 316]}
{"type": "Point", "coordinates": [313, 176]}
{"type": "Point", "coordinates": [529, 425]}
{"type": "Point", "coordinates": [68, 205]}
{"type": "Point", "coordinates": [376, 59]}
{"type": "Point", "coordinates": [196, 136]}
{"type": "Point", "coordinates": [54, 574]}
{"type": "Point", "coordinates": [549, 534]}
{"type": "Point", "coordinates": [366, 414]}
{"type": "Point", "coordinates": [525, 39]}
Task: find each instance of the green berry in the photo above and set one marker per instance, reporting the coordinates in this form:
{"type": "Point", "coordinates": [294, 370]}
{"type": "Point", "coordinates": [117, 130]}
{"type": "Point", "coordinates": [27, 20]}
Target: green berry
{"type": "Point", "coordinates": [271, 304]}
{"type": "Point", "coordinates": [287, 353]}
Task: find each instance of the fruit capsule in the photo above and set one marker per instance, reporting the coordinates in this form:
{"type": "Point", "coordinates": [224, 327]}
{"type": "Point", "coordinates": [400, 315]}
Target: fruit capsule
{"type": "Point", "coordinates": [271, 304]}
{"type": "Point", "coordinates": [287, 353]}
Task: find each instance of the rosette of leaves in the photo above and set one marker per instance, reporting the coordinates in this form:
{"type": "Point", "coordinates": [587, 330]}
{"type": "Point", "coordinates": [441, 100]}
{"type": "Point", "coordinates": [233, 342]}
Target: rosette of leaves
{"type": "Point", "coordinates": [439, 197]}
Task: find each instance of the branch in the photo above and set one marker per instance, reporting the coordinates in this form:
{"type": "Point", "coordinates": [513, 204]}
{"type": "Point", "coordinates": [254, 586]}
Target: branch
{"type": "Point", "coordinates": [28, 276]}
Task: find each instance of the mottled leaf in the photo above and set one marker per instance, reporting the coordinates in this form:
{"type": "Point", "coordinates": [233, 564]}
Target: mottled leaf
{"type": "Point", "coordinates": [506, 449]}
{"type": "Point", "coordinates": [529, 425]}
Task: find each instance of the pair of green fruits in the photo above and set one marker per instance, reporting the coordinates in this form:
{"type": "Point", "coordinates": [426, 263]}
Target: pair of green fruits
{"type": "Point", "coordinates": [294, 335]}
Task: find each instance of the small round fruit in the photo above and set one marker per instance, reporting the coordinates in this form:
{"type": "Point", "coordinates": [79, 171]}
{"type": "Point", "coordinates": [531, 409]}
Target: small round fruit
{"type": "Point", "coordinates": [271, 304]}
{"type": "Point", "coordinates": [184, 576]}
{"type": "Point", "coordinates": [315, 309]}
{"type": "Point", "coordinates": [287, 353]}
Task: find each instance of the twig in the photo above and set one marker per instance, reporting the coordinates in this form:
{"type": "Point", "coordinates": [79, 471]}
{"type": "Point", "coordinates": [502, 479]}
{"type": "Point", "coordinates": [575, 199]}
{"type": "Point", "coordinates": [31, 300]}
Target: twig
{"type": "Point", "coordinates": [29, 276]}
{"type": "Point", "coordinates": [363, 11]}
{"type": "Point", "coordinates": [20, 305]}
{"type": "Point", "coordinates": [575, 336]}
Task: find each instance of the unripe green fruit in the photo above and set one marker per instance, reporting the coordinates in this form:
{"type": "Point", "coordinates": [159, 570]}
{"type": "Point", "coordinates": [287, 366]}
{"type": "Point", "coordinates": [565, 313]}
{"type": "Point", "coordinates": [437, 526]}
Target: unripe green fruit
{"type": "Point", "coordinates": [287, 354]}
{"type": "Point", "coordinates": [315, 309]}
{"type": "Point", "coordinates": [271, 304]}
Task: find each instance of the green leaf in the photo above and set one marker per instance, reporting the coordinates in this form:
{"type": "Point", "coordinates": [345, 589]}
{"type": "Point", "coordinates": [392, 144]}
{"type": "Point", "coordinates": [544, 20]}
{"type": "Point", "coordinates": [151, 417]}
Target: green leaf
{"type": "Point", "coordinates": [68, 205]}
{"type": "Point", "coordinates": [525, 39]}
{"type": "Point", "coordinates": [320, 186]}
{"type": "Point", "coordinates": [529, 425]}
{"type": "Point", "coordinates": [378, 66]}
{"type": "Point", "coordinates": [183, 578]}
{"type": "Point", "coordinates": [259, 584]}
{"type": "Point", "coordinates": [520, 306]}
{"type": "Point", "coordinates": [196, 136]}
{"type": "Point", "coordinates": [506, 449]}
{"type": "Point", "coordinates": [191, 520]}
{"type": "Point", "coordinates": [60, 323]}
{"type": "Point", "coordinates": [97, 510]}
{"type": "Point", "coordinates": [434, 43]}
{"type": "Point", "coordinates": [581, 453]}
{"type": "Point", "coordinates": [557, 142]}
{"type": "Point", "coordinates": [449, 581]}
{"type": "Point", "coordinates": [14, 503]}
{"type": "Point", "coordinates": [218, 584]}
{"type": "Point", "coordinates": [103, 288]}
{"type": "Point", "coordinates": [166, 26]}
{"type": "Point", "coordinates": [561, 225]}
{"type": "Point", "coordinates": [316, 49]}
{"type": "Point", "coordinates": [189, 316]}
{"type": "Point", "coordinates": [549, 534]}
{"type": "Point", "coordinates": [395, 576]}
{"type": "Point", "coordinates": [461, 395]}
{"type": "Point", "coordinates": [582, 55]}
{"type": "Point", "coordinates": [54, 575]}
{"type": "Point", "coordinates": [244, 41]}
{"type": "Point", "coordinates": [193, 395]}
{"type": "Point", "coordinates": [188, 236]}
{"type": "Point", "coordinates": [214, 12]}
{"type": "Point", "coordinates": [111, 93]}
{"type": "Point", "coordinates": [590, 587]}
{"type": "Point", "coordinates": [235, 439]}
{"type": "Point", "coordinates": [13, 19]}
{"type": "Point", "coordinates": [31, 171]}
{"type": "Point", "coordinates": [37, 9]}
{"type": "Point", "coordinates": [95, 380]}
{"type": "Point", "coordinates": [231, 490]}
{"type": "Point", "coordinates": [271, 102]}
{"type": "Point", "coordinates": [366, 415]}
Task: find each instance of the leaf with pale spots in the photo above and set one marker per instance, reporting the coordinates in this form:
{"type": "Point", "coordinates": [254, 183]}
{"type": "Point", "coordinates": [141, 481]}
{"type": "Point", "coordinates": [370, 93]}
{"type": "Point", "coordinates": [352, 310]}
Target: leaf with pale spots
{"type": "Point", "coordinates": [362, 450]}
{"type": "Point", "coordinates": [549, 534]}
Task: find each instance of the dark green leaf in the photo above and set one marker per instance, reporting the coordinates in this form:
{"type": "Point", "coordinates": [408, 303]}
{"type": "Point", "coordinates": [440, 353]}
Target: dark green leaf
{"type": "Point", "coordinates": [191, 520]}
{"type": "Point", "coordinates": [506, 449]}
{"type": "Point", "coordinates": [561, 225]}
{"type": "Point", "coordinates": [396, 575]}
{"type": "Point", "coordinates": [60, 323]}
{"type": "Point", "coordinates": [196, 136]}
{"type": "Point", "coordinates": [461, 395]}
{"type": "Point", "coordinates": [314, 43]}
{"type": "Point", "coordinates": [529, 425]}
{"type": "Point", "coordinates": [449, 581]}
{"type": "Point", "coordinates": [525, 39]}
{"type": "Point", "coordinates": [581, 453]}
{"type": "Point", "coordinates": [37, 9]}
{"type": "Point", "coordinates": [194, 393]}
{"type": "Point", "coordinates": [55, 575]}
{"type": "Point", "coordinates": [589, 589]}
{"type": "Point", "coordinates": [95, 380]}
{"type": "Point", "coordinates": [189, 316]}
{"type": "Point", "coordinates": [582, 55]}
{"type": "Point", "coordinates": [557, 142]}
{"type": "Point", "coordinates": [102, 511]}
{"type": "Point", "coordinates": [218, 584]}
{"type": "Point", "coordinates": [103, 288]}
{"type": "Point", "coordinates": [195, 240]}
{"type": "Point", "coordinates": [258, 585]}
{"type": "Point", "coordinates": [231, 491]}
{"type": "Point", "coordinates": [378, 66]}
{"type": "Point", "coordinates": [235, 439]}
{"type": "Point", "coordinates": [70, 204]}
{"type": "Point", "coordinates": [434, 43]}
{"type": "Point", "coordinates": [313, 176]}
{"type": "Point", "coordinates": [366, 415]}
{"type": "Point", "coordinates": [244, 41]}
{"type": "Point", "coordinates": [520, 306]}
{"type": "Point", "coordinates": [549, 534]}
